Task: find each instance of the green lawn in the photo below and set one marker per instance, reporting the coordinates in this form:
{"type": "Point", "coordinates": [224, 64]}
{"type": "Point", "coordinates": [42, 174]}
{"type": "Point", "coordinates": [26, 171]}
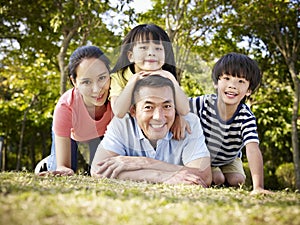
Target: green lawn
{"type": "Point", "coordinates": [28, 199]}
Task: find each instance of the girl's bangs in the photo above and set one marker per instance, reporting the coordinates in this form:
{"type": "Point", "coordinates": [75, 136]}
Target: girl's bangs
{"type": "Point", "coordinates": [147, 36]}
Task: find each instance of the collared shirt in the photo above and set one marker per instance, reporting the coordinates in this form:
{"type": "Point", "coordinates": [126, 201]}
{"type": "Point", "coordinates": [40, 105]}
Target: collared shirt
{"type": "Point", "coordinates": [224, 139]}
{"type": "Point", "coordinates": [71, 118]}
{"type": "Point", "coordinates": [124, 137]}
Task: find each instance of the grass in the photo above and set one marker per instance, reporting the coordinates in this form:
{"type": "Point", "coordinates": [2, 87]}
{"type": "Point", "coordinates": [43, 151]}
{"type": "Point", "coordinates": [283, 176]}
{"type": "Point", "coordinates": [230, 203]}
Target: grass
{"type": "Point", "coordinates": [28, 199]}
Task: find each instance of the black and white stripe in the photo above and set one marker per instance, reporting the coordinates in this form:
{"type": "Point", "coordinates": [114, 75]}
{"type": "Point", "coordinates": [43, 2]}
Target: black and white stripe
{"type": "Point", "coordinates": [224, 139]}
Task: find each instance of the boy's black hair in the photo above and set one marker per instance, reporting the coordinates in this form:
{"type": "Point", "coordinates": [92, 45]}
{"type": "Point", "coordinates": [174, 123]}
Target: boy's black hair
{"type": "Point", "coordinates": [238, 65]}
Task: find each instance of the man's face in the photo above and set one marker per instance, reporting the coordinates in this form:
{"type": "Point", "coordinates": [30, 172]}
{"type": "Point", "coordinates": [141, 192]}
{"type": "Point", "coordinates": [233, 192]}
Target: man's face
{"type": "Point", "coordinates": [154, 111]}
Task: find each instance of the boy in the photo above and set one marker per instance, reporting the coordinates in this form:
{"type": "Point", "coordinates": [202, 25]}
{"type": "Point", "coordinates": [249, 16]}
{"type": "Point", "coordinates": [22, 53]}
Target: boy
{"type": "Point", "coordinates": [229, 124]}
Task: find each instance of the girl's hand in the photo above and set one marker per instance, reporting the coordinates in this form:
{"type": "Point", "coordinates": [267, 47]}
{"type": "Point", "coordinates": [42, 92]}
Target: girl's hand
{"type": "Point", "coordinates": [179, 127]}
{"type": "Point", "coordinates": [138, 76]}
{"type": "Point", "coordinates": [165, 73]}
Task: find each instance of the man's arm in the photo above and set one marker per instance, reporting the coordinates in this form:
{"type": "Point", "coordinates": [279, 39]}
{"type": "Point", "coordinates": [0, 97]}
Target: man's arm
{"type": "Point", "coordinates": [202, 167]}
{"type": "Point", "coordinates": [111, 165]}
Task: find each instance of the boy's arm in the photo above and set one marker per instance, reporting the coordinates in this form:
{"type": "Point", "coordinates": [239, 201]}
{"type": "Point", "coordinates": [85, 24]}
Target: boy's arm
{"type": "Point", "coordinates": [255, 161]}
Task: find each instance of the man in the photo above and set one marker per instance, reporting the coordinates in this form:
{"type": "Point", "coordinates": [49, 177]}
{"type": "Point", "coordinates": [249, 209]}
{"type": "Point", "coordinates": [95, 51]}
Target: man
{"type": "Point", "coordinates": [140, 146]}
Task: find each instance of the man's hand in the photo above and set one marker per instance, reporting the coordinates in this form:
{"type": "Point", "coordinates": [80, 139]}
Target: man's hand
{"type": "Point", "coordinates": [112, 167]}
{"type": "Point", "coordinates": [185, 176]}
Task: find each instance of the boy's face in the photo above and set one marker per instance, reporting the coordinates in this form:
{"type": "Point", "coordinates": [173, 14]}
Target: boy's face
{"type": "Point", "coordinates": [231, 90]}
{"type": "Point", "coordinates": [147, 56]}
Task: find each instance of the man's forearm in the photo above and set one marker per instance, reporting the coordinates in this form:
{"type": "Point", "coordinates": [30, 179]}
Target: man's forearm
{"type": "Point", "coordinates": [152, 176]}
{"type": "Point", "coordinates": [182, 176]}
{"type": "Point", "coordinates": [152, 170]}
{"type": "Point", "coordinates": [154, 164]}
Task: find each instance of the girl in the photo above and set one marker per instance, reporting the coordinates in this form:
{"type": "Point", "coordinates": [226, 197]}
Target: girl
{"type": "Point", "coordinates": [82, 113]}
{"type": "Point", "coordinates": [145, 49]}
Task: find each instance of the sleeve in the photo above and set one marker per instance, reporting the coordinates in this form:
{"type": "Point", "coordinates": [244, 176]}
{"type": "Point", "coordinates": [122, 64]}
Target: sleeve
{"type": "Point", "coordinates": [116, 85]}
{"type": "Point", "coordinates": [249, 130]}
{"type": "Point", "coordinates": [113, 138]}
{"type": "Point", "coordinates": [62, 120]}
{"type": "Point", "coordinates": [195, 146]}
{"type": "Point", "coordinates": [196, 104]}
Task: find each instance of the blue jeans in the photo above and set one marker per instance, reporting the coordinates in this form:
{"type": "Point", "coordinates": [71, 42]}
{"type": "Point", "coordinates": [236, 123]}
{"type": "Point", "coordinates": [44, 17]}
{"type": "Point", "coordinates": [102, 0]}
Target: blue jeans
{"type": "Point", "coordinates": [92, 144]}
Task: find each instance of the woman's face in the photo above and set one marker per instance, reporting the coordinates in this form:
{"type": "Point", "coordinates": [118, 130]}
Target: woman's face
{"type": "Point", "coordinates": [92, 81]}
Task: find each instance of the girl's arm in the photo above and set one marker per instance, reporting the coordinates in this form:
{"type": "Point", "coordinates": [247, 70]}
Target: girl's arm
{"type": "Point", "coordinates": [181, 100]}
{"type": "Point", "coordinates": [121, 104]}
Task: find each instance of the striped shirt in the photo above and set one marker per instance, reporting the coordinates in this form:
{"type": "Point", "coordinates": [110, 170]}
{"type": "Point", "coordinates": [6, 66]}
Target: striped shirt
{"type": "Point", "coordinates": [224, 139]}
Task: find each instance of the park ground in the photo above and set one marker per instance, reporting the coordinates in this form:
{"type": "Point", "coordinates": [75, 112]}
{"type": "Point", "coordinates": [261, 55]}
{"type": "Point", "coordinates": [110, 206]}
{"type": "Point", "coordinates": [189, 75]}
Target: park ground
{"type": "Point", "coordinates": [28, 199]}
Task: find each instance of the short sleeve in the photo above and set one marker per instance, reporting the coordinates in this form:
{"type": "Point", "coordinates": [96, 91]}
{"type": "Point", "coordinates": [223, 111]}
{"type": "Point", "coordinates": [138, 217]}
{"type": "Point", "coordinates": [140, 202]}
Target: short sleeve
{"type": "Point", "coordinates": [195, 146]}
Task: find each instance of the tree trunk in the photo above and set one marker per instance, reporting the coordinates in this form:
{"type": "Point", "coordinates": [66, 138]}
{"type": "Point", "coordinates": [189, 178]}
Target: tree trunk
{"type": "Point", "coordinates": [295, 137]}
{"type": "Point", "coordinates": [61, 59]}
{"type": "Point", "coordinates": [34, 98]}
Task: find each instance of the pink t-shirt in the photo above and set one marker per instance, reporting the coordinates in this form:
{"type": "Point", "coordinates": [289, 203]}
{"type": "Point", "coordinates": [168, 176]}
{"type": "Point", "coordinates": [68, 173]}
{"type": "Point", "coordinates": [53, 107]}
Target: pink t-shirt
{"type": "Point", "coordinates": [71, 118]}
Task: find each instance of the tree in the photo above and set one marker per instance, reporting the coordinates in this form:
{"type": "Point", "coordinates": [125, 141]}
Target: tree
{"type": "Point", "coordinates": [36, 38]}
{"type": "Point", "coordinates": [187, 23]}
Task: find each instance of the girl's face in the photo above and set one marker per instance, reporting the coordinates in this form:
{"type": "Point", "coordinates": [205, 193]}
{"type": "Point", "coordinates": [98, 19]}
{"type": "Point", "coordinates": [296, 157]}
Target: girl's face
{"type": "Point", "coordinates": [92, 81]}
{"type": "Point", "coordinates": [147, 56]}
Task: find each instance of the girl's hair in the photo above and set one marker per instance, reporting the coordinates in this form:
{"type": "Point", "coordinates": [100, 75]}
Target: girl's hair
{"type": "Point", "coordinates": [85, 52]}
{"type": "Point", "coordinates": [238, 65]}
{"type": "Point", "coordinates": [145, 32]}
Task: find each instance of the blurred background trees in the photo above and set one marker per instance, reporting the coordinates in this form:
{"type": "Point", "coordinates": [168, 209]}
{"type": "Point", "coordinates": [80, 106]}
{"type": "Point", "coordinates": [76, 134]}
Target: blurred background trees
{"type": "Point", "coordinates": [37, 38]}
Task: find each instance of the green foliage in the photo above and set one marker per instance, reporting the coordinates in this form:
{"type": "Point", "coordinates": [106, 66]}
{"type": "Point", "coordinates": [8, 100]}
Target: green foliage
{"type": "Point", "coordinates": [273, 119]}
{"type": "Point", "coordinates": [285, 175]}
{"type": "Point", "coordinates": [191, 87]}
{"type": "Point", "coordinates": [32, 33]}
{"type": "Point", "coordinates": [29, 99]}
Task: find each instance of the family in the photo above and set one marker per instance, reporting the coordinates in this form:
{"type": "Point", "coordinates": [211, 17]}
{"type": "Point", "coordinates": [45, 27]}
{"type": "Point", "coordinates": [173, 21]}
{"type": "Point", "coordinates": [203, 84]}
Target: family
{"type": "Point", "coordinates": [139, 124]}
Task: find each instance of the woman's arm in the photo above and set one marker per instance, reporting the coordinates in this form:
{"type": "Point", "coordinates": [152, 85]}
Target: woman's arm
{"type": "Point", "coordinates": [63, 155]}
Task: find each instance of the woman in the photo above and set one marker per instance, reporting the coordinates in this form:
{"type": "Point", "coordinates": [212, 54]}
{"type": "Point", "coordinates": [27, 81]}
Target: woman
{"type": "Point", "coordinates": [82, 113]}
